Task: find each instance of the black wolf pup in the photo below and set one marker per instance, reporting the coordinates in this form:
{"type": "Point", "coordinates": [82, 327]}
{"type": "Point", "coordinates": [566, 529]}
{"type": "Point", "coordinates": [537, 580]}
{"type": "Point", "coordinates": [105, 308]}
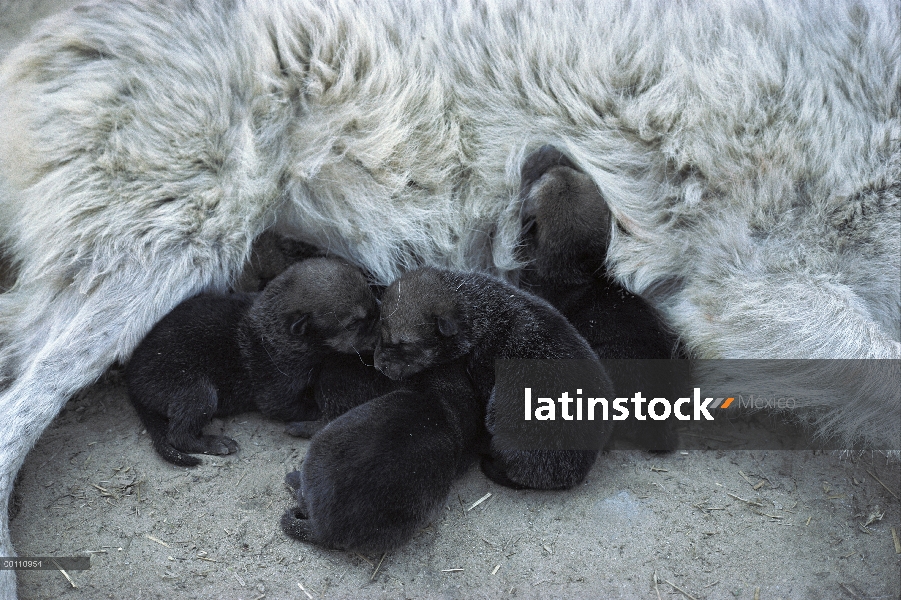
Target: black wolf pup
{"type": "Point", "coordinates": [566, 225]}
{"type": "Point", "coordinates": [432, 317]}
{"type": "Point", "coordinates": [375, 475]}
{"type": "Point", "coordinates": [217, 355]}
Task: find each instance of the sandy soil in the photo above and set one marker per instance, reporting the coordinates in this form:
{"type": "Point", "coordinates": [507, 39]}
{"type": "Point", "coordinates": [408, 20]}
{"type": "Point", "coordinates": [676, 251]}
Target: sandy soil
{"type": "Point", "coordinates": [93, 484]}
{"type": "Point", "coordinates": [709, 524]}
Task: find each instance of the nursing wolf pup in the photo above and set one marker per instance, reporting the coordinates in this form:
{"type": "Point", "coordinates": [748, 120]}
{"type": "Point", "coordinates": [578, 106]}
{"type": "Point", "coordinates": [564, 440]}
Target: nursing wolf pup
{"type": "Point", "coordinates": [753, 172]}
{"type": "Point", "coordinates": [270, 256]}
{"type": "Point", "coordinates": [380, 472]}
{"type": "Point", "coordinates": [215, 355]}
{"type": "Point", "coordinates": [432, 317]}
{"type": "Point", "coordinates": [344, 380]}
{"type": "Point", "coordinates": [566, 229]}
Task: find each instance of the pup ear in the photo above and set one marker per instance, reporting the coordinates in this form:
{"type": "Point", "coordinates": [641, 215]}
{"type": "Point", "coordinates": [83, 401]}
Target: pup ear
{"type": "Point", "coordinates": [447, 326]}
{"type": "Point", "coordinates": [299, 327]}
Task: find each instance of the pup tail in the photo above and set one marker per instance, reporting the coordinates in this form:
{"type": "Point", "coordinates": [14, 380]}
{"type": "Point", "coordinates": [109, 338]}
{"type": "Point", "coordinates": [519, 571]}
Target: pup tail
{"type": "Point", "coordinates": [295, 524]}
{"type": "Point", "coordinates": [156, 425]}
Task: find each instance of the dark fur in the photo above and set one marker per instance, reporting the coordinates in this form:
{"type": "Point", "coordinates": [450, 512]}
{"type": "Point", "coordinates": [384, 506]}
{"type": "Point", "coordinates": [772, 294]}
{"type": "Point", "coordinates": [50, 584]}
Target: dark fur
{"type": "Point", "coordinates": [381, 471]}
{"type": "Point", "coordinates": [431, 317]}
{"type": "Point", "coordinates": [566, 229]}
{"type": "Point", "coordinates": [220, 355]}
{"type": "Point", "coordinates": [270, 256]}
{"type": "Point", "coordinates": [344, 382]}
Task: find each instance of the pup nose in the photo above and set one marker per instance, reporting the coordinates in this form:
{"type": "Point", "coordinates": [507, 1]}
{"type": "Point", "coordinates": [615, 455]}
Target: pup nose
{"type": "Point", "coordinates": [387, 369]}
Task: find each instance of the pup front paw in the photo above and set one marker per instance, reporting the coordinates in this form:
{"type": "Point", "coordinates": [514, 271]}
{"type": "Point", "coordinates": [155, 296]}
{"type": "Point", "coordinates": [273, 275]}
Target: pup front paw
{"type": "Point", "coordinates": [219, 445]}
{"type": "Point", "coordinates": [292, 480]}
{"type": "Point", "coordinates": [304, 429]}
{"type": "Point", "coordinates": [494, 471]}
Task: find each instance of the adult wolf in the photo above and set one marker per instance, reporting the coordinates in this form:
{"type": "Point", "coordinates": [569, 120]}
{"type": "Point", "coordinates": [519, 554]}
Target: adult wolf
{"type": "Point", "coordinates": [750, 153]}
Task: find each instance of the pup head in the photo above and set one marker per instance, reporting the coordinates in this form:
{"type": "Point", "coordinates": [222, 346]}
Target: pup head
{"type": "Point", "coordinates": [318, 305]}
{"type": "Point", "coordinates": [565, 221]}
{"type": "Point", "coordinates": [423, 324]}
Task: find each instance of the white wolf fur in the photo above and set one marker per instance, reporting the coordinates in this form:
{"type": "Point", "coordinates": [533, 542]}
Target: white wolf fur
{"type": "Point", "coordinates": [750, 152]}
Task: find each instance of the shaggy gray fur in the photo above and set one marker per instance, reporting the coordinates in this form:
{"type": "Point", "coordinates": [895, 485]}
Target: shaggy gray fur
{"type": "Point", "coordinates": [750, 153]}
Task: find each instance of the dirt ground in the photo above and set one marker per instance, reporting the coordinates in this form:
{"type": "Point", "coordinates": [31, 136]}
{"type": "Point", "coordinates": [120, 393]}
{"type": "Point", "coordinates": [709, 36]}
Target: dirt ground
{"type": "Point", "coordinates": [93, 484]}
{"type": "Point", "coordinates": [702, 524]}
